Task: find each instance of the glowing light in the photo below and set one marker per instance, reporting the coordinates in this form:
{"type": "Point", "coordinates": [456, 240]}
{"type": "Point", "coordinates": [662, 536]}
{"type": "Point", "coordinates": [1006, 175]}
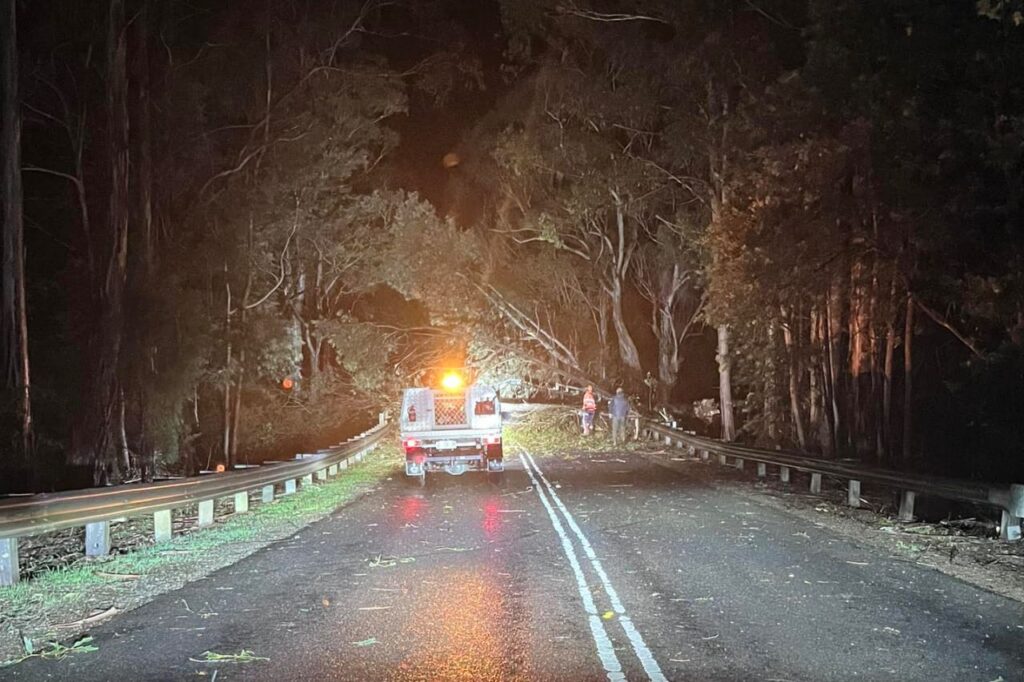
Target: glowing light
{"type": "Point", "coordinates": [451, 160]}
{"type": "Point", "coordinates": [220, 468]}
{"type": "Point", "coordinates": [287, 383]}
{"type": "Point", "coordinates": [452, 381]}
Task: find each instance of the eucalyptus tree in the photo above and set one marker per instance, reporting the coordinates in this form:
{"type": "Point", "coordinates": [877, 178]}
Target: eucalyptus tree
{"type": "Point", "coordinates": [14, 322]}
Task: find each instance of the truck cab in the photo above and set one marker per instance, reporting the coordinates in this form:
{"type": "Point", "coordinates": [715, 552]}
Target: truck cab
{"type": "Point", "coordinates": [453, 429]}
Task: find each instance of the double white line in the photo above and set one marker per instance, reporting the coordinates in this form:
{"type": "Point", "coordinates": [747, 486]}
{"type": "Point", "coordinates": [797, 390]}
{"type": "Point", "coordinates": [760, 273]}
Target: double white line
{"type": "Point", "coordinates": [605, 650]}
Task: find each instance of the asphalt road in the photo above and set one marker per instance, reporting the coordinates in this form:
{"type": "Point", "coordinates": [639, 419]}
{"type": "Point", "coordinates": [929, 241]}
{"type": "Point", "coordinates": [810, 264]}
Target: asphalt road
{"type": "Point", "coordinates": [573, 570]}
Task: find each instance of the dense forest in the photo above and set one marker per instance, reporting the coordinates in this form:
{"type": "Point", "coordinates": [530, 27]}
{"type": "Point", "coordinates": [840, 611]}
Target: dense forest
{"type": "Point", "coordinates": [236, 229]}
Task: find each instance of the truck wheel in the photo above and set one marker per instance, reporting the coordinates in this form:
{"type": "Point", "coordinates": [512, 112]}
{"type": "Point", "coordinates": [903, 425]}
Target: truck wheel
{"type": "Point", "coordinates": [418, 481]}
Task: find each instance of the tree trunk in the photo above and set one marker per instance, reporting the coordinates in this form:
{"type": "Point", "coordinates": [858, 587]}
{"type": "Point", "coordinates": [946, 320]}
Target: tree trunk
{"type": "Point", "coordinates": [14, 324]}
{"type": "Point", "coordinates": [226, 424]}
{"type": "Point", "coordinates": [908, 372]}
{"type": "Point", "coordinates": [122, 437]}
{"type": "Point", "coordinates": [627, 349]}
{"type": "Point", "coordinates": [833, 354]}
{"type": "Point", "coordinates": [885, 452]}
{"type": "Point", "coordinates": [668, 352]}
{"type": "Point", "coordinates": [725, 384]}
{"type": "Point", "coordinates": [143, 348]}
{"type": "Point", "coordinates": [91, 441]}
{"type": "Point", "coordinates": [795, 407]}
{"type": "Point", "coordinates": [771, 430]}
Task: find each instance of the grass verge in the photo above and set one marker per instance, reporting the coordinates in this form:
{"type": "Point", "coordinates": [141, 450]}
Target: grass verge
{"type": "Point", "coordinates": [59, 604]}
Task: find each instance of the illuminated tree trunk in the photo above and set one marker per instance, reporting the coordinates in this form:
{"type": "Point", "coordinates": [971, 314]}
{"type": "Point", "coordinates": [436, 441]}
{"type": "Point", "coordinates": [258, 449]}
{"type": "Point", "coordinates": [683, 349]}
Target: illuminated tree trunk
{"type": "Point", "coordinates": [795, 371]}
{"type": "Point", "coordinates": [627, 348]}
{"type": "Point", "coordinates": [725, 384]}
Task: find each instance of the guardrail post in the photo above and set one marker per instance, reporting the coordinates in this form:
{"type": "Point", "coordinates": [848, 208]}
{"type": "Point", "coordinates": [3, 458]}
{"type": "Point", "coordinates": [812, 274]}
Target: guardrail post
{"type": "Point", "coordinates": [723, 460]}
{"type": "Point", "coordinates": [636, 428]}
{"type": "Point", "coordinates": [307, 479]}
{"type": "Point", "coordinates": [853, 493]}
{"type": "Point", "coordinates": [242, 502]}
{"type": "Point", "coordinates": [289, 486]}
{"type": "Point", "coordinates": [162, 526]}
{"type": "Point", "coordinates": [784, 474]}
{"type": "Point", "coordinates": [762, 469]}
{"type": "Point", "coordinates": [321, 475]}
{"type": "Point", "coordinates": [332, 470]}
{"type": "Point", "coordinates": [10, 570]}
{"type": "Point", "coordinates": [816, 484]}
{"type": "Point", "coordinates": [205, 513]}
{"type": "Point", "coordinates": [343, 464]}
{"type": "Point", "coordinates": [907, 506]}
{"type": "Point", "coordinates": [668, 440]}
{"type": "Point", "coordinates": [738, 463]}
{"type": "Point", "coordinates": [704, 455]}
{"type": "Point", "coordinates": [97, 538]}
{"type": "Point", "coordinates": [1009, 526]}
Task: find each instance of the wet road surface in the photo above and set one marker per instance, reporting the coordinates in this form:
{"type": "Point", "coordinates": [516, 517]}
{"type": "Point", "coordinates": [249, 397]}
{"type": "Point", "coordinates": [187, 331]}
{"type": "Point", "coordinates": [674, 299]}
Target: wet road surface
{"type": "Point", "coordinates": [575, 569]}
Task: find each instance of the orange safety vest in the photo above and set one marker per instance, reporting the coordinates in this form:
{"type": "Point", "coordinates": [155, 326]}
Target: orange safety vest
{"type": "Point", "coordinates": [589, 404]}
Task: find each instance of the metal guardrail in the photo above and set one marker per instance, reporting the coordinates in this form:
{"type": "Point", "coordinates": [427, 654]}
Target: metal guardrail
{"type": "Point", "coordinates": [96, 508]}
{"type": "Point", "coordinates": [1008, 498]}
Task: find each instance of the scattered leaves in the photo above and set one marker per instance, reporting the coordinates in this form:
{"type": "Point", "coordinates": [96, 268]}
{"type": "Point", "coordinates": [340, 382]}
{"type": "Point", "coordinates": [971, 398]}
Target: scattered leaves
{"type": "Point", "coordinates": [243, 656]}
{"type": "Point", "coordinates": [54, 651]}
{"type": "Point", "coordinates": [366, 642]}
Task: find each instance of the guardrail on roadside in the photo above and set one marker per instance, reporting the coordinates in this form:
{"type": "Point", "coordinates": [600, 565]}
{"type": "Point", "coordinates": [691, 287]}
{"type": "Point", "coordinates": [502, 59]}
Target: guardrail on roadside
{"type": "Point", "coordinates": [95, 508]}
{"type": "Point", "coordinates": [1008, 498]}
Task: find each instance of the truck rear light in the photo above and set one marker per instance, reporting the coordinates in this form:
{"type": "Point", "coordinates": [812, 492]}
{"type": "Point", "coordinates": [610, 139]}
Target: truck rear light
{"type": "Point", "coordinates": [411, 443]}
{"type": "Point", "coordinates": [492, 440]}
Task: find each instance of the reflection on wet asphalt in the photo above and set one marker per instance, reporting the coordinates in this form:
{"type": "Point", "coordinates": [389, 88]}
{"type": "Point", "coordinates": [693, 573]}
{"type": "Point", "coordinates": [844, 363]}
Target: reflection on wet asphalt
{"type": "Point", "coordinates": [467, 581]}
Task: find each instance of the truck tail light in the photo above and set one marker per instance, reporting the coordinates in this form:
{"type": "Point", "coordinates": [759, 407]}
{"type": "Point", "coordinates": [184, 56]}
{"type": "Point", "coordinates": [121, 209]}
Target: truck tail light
{"type": "Point", "coordinates": [411, 443]}
{"type": "Point", "coordinates": [492, 440]}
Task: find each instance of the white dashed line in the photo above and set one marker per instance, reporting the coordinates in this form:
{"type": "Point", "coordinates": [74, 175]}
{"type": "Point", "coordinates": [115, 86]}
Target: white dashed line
{"type": "Point", "coordinates": [640, 648]}
{"type": "Point", "coordinates": [605, 650]}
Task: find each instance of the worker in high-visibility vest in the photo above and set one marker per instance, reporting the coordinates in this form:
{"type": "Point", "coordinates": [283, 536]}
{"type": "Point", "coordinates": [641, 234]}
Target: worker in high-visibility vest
{"type": "Point", "coordinates": [589, 409]}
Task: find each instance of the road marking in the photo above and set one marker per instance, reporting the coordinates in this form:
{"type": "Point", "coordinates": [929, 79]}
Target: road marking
{"type": "Point", "coordinates": [640, 648]}
{"type": "Point", "coordinates": [605, 650]}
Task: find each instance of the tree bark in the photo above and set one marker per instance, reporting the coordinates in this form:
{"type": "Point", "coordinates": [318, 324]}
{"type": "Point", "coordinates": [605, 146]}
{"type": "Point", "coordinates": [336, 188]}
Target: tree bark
{"type": "Point", "coordinates": [908, 373]}
{"type": "Point", "coordinates": [725, 384]}
{"type": "Point", "coordinates": [627, 348]}
{"type": "Point", "coordinates": [887, 370]}
{"type": "Point", "coordinates": [795, 407]}
{"type": "Point", "coordinates": [226, 424]}
{"type": "Point", "coordinates": [17, 375]}
{"type": "Point", "coordinates": [91, 441]}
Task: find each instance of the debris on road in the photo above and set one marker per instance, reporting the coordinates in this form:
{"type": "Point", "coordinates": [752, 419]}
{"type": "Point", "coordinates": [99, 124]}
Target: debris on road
{"type": "Point", "coordinates": [243, 656]}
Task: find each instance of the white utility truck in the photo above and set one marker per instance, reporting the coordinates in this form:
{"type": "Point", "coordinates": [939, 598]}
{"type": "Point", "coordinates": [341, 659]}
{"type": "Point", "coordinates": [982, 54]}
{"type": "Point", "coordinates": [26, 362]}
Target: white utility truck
{"type": "Point", "coordinates": [454, 429]}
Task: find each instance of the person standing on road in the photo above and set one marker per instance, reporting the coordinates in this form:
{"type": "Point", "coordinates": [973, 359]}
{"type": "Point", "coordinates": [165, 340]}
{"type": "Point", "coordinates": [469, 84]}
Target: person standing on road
{"type": "Point", "coordinates": [589, 409]}
{"type": "Point", "coordinates": [619, 407]}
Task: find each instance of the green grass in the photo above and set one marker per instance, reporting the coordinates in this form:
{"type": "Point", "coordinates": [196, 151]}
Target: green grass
{"type": "Point", "coordinates": [55, 596]}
